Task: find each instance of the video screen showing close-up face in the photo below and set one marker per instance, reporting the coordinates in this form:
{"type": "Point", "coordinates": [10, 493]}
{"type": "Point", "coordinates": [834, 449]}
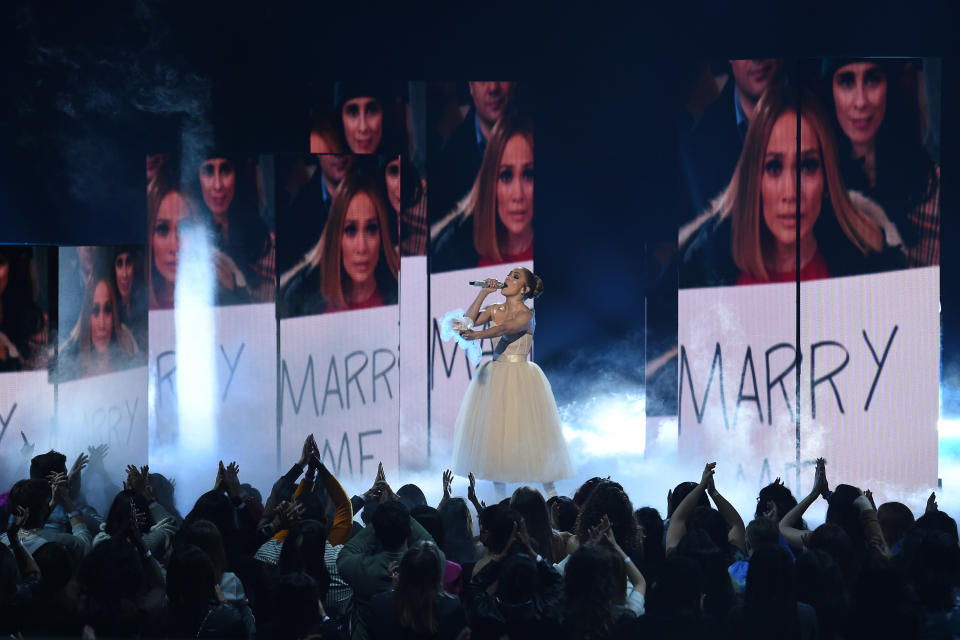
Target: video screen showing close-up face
{"type": "Point", "coordinates": [362, 117]}
{"type": "Point", "coordinates": [28, 306]}
{"type": "Point", "coordinates": [209, 217]}
{"type": "Point", "coordinates": [849, 186]}
{"type": "Point", "coordinates": [481, 180]}
{"type": "Point", "coordinates": [818, 179]}
{"type": "Point", "coordinates": [338, 235]}
{"type": "Point", "coordinates": [103, 318]}
{"type": "Point", "coordinates": [338, 230]}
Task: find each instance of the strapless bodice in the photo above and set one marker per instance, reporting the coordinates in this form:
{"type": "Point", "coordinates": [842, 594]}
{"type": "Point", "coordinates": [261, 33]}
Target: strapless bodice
{"type": "Point", "coordinates": [518, 344]}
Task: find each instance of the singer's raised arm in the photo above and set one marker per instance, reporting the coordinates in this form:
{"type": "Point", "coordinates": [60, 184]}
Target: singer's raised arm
{"type": "Point", "coordinates": [474, 312]}
{"type": "Point", "coordinates": [516, 323]}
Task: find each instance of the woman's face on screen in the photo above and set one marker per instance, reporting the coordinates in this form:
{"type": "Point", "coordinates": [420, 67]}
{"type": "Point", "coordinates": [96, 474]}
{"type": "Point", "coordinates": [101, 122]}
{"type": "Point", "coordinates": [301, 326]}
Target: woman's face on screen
{"type": "Point", "coordinates": [778, 184]}
{"type": "Point", "coordinates": [101, 318]}
{"type": "Point", "coordinates": [860, 97]}
{"type": "Point", "coordinates": [515, 185]}
{"type": "Point", "coordinates": [360, 242]}
{"type": "Point", "coordinates": [363, 124]}
{"type": "Point", "coordinates": [165, 235]}
{"type": "Point", "coordinates": [123, 264]}
{"type": "Point", "coordinates": [393, 183]}
{"type": "Point", "coordinates": [218, 182]}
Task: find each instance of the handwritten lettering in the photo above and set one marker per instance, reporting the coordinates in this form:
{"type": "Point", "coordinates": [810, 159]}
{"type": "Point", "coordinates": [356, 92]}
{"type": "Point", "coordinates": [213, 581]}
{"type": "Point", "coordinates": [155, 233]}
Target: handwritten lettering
{"type": "Point", "coordinates": [6, 421]}
{"type": "Point", "coordinates": [831, 362]}
{"type": "Point", "coordinates": [350, 382]}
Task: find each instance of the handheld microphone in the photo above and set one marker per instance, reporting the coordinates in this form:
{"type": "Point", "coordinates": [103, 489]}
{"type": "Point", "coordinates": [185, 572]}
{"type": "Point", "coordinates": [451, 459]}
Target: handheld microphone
{"type": "Point", "coordinates": [481, 284]}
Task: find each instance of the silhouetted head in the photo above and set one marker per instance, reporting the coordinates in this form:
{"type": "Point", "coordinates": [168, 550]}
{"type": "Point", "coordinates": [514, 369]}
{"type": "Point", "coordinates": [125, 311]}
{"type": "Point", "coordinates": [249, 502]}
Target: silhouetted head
{"type": "Point", "coordinates": [496, 526]}
{"type": "Point", "coordinates": [775, 499]}
{"type": "Point", "coordinates": [429, 518]}
{"type": "Point", "coordinates": [843, 512]}
{"type": "Point", "coordinates": [391, 524]}
{"type": "Point", "coordinates": [762, 532]}
{"type": "Point", "coordinates": [680, 492]}
{"type": "Point", "coordinates": [566, 513]}
{"type": "Point", "coordinates": [412, 496]}
{"type": "Point", "coordinates": [457, 531]}
{"type": "Point", "coordinates": [45, 463]}
{"type": "Point", "coordinates": [896, 520]}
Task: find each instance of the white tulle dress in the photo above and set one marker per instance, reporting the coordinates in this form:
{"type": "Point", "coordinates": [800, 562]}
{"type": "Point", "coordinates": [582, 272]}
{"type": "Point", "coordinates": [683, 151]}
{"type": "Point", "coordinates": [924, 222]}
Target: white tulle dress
{"type": "Point", "coordinates": [508, 428]}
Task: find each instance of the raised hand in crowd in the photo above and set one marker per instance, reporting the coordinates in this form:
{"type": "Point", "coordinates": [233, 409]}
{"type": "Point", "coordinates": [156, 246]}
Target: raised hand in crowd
{"type": "Point", "coordinates": [864, 502]}
{"type": "Point", "coordinates": [151, 567]}
{"type": "Point", "coordinates": [447, 490]}
{"type": "Point", "coordinates": [73, 477]}
{"type": "Point", "coordinates": [228, 480]}
{"type": "Point", "coordinates": [26, 451]}
{"type": "Point", "coordinates": [96, 456]}
{"type": "Point", "coordinates": [821, 486]}
{"type": "Point", "coordinates": [790, 528]}
{"type": "Point", "coordinates": [285, 516]}
{"type": "Point", "coordinates": [61, 496]}
{"type": "Point", "coordinates": [139, 480]}
{"type": "Point", "coordinates": [931, 503]}
{"type": "Point", "coordinates": [308, 450]}
{"type": "Point", "coordinates": [100, 487]}
{"type": "Point", "coordinates": [479, 505]}
{"type": "Point", "coordinates": [737, 531]}
{"type": "Point", "coordinates": [380, 491]}
{"type": "Point", "coordinates": [55, 480]}
{"type": "Point", "coordinates": [321, 469]}
{"type": "Point", "coordinates": [678, 522]}
{"type": "Point", "coordinates": [231, 479]}
{"type": "Point", "coordinates": [602, 533]}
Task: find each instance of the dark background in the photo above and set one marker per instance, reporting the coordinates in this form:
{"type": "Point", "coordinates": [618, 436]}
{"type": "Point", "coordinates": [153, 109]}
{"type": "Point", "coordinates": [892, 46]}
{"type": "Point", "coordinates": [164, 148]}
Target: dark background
{"type": "Point", "coordinates": [88, 90]}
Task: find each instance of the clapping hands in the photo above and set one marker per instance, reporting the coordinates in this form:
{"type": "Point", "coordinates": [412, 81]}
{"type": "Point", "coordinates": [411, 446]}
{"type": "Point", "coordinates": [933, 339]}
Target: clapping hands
{"type": "Point", "coordinates": [820, 485]}
{"type": "Point", "coordinates": [707, 478]}
{"type": "Point", "coordinates": [228, 479]}
{"type": "Point", "coordinates": [309, 450]}
{"type": "Point", "coordinates": [932, 502]}
{"type": "Point", "coordinates": [380, 491]}
{"type": "Point", "coordinates": [286, 515]}
{"type": "Point", "coordinates": [139, 480]}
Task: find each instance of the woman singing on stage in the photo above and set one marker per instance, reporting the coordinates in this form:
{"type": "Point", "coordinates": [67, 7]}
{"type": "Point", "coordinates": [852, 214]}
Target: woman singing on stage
{"type": "Point", "coordinates": [508, 428]}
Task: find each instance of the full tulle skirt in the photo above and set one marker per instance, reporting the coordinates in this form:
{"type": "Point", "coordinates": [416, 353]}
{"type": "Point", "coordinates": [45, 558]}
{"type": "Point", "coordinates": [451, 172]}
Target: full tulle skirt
{"type": "Point", "coordinates": [508, 428]}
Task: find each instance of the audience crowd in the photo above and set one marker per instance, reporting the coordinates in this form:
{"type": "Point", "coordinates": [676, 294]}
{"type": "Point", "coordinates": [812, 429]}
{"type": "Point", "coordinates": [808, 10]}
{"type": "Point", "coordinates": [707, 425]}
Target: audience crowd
{"type": "Point", "coordinates": [312, 562]}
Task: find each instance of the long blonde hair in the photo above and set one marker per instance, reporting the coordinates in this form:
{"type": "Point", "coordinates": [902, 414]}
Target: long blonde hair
{"type": "Point", "coordinates": [742, 198]}
{"type": "Point", "coordinates": [162, 185]}
{"type": "Point", "coordinates": [82, 333]}
{"type": "Point", "coordinates": [482, 199]}
{"type": "Point", "coordinates": [329, 259]}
